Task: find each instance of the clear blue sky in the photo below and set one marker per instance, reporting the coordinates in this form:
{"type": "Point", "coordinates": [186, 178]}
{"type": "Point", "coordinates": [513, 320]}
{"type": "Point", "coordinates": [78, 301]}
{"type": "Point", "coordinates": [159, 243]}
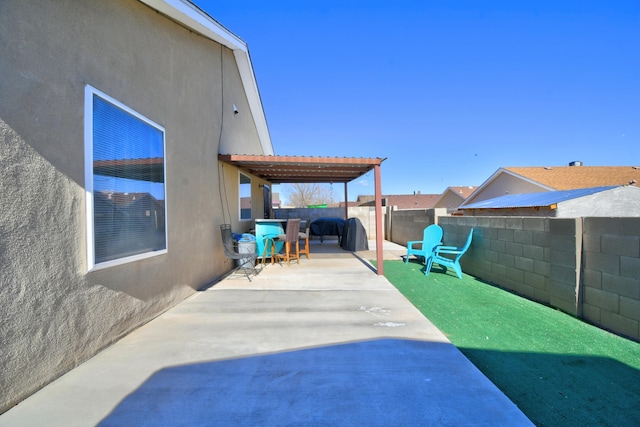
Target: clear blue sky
{"type": "Point", "coordinates": [448, 91]}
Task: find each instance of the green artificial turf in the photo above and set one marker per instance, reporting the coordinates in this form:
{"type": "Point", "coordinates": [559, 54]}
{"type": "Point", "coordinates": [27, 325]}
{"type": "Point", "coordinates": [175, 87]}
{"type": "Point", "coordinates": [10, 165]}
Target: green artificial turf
{"type": "Point", "coordinates": [559, 370]}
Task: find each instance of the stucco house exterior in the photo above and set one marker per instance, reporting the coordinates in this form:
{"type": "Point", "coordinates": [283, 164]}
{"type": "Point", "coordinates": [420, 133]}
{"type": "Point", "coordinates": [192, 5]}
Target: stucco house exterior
{"type": "Point", "coordinates": [523, 180]}
{"type": "Point", "coordinates": [622, 201]}
{"type": "Point", "coordinates": [112, 116]}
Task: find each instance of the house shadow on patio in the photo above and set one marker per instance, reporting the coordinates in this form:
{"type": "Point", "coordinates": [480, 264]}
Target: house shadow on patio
{"type": "Point", "coordinates": [378, 382]}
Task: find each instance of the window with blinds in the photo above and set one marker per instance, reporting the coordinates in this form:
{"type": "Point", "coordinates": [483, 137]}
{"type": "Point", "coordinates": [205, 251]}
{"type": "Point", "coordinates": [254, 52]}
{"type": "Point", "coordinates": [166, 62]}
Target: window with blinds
{"type": "Point", "coordinates": [125, 183]}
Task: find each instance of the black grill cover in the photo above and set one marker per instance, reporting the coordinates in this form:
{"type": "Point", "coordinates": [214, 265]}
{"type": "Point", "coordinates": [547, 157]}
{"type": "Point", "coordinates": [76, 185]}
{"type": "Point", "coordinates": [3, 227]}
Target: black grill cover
{"type": "Point", "coordinates": [354, 236]}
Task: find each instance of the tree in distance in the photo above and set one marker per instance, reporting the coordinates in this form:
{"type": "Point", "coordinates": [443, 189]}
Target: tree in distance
{"type": "Point", "coordinates": [303, 195]}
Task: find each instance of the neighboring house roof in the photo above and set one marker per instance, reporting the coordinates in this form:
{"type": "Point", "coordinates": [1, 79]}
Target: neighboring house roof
{"type": "Point", "coordinates": [531, 200]}
{"type": "Point", "coordinates": [609, 201]}
{"type": "Point", "coordinates": [191, 16]}
{"type": "Point", "coordinates": [571, 177]}
{"type": "Point", "coordinates": [463, 192]}
{"type": "Point", "coordinates": [517, 180]}
{"type": "Point", "coordinates": [403, 201]}
{"type": "Point", "coordinates": [459, 194]}
{"type": "Point", "coordinates": [146, 169]}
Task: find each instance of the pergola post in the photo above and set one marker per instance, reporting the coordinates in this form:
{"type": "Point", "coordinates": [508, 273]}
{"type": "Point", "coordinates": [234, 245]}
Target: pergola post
{"type": "Point", "coordinates": [346, 202]}
{"type": "Point", "coordinates": [379, 240]}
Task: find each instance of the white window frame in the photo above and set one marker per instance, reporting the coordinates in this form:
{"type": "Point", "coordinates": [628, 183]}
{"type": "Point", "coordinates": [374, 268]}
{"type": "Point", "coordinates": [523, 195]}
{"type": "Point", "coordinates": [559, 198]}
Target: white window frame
{"type": "Point", "coordinates": [90, 92]}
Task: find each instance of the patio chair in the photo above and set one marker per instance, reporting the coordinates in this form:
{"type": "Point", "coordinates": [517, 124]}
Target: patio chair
{"type": "Point", "coordinates": [291, 236]}
{"type": "Point", "coordinates": [245, 261]}
{"type": "Point", "coordinates": [454, 262]}
{"type": "Point", "coordinates": [431, 238]}
{"type": "Point", "coordinates": [305, 236]}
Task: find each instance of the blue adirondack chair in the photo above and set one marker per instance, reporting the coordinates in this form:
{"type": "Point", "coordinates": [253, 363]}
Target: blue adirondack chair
{"type": "Point", "coordinates": [452, 261]}
{"type": "Point", "coordinates": [431, 237]}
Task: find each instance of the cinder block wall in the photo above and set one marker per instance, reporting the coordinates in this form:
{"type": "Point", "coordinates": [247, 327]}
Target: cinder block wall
{"type": "Point", "coordinates": [611, 279]}
{"type": "Point", "coordinates": [589, 268]}
{"type": "Point", "coordinates": [512, 252]}
{"type": "Point", "coordinates": [406, 225]}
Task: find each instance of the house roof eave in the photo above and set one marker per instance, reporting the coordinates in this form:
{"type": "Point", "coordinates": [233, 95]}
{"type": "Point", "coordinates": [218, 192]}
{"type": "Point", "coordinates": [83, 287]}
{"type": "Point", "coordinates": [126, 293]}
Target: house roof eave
{"type": "Point", "coordinates": [191, 16]}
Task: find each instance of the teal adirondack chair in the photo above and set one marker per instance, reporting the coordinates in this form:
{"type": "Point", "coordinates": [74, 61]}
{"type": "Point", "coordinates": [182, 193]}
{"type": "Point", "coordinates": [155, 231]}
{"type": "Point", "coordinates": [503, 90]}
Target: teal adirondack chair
{"type": "Point", "coordinates": [448, 261]}
{"type": "Point", "coordinates": [431, 237]}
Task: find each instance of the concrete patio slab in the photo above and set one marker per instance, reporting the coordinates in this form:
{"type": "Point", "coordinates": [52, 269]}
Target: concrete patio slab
{"type": "Point", "coordinates": [325, 342]}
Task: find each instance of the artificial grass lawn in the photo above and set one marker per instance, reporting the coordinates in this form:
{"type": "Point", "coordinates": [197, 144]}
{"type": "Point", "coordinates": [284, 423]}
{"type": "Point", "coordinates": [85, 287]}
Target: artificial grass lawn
{"type": "Point", "coordinates": [559, 370]}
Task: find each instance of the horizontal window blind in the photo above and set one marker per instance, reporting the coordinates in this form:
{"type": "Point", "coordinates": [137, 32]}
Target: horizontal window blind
{"type": "Point", "coordinates": [128, 183]}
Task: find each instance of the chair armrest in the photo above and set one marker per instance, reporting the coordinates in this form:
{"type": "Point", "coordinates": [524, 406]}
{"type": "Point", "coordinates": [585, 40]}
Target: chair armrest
{"type": "Point", "coordinates": [447, 250]}
{"type": "Point", "coordinates": [413, 242]}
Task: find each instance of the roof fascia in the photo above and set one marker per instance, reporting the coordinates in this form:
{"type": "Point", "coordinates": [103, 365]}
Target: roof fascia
{"type": "Point", "coordinates": [192, 17]}
{"type": "Point", "coordinates": [493, 177]}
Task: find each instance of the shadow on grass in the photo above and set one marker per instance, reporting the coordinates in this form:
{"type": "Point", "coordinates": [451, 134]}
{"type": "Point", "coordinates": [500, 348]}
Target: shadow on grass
{"type": "Point", "coordinates": [385, 382]}
{"type": "Point", "coordinates": [558, 369]}
{"type": "Point", "coordinates": [563, 389]}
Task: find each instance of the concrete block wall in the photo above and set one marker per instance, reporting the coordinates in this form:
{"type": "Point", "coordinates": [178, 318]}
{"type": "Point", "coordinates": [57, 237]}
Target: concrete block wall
{"type": "Point", "coordinates": [512, 252]}
{"type": "Point", "coordinates": [587, 267]}
{"type": "Point", "coordinates": [406, 225]}
{"type": "Point", "coordinates": [611, 278]}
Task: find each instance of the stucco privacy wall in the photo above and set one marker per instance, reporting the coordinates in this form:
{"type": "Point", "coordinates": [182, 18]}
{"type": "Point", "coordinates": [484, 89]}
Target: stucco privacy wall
{"type": "Point", "coordinates": [587, 267]}
{"type": "Point", "coordinates": [55, 314]}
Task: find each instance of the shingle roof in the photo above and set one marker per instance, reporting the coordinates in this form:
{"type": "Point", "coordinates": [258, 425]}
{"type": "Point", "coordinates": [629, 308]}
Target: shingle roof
{"type": "Point", "coordinates": [463, 192]}
{"type": "Point", "coordinates": [573, 177]}
{"type": "Point", "coordinates": [529, 200]}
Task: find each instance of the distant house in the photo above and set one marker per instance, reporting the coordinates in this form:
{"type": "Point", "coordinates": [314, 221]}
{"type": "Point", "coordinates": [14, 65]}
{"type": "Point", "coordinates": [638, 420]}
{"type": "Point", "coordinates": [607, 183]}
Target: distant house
{"type": "Point", "coordinates": [276, 203]}
{"type": "Point", "coordinates": [402, 201]}
{"type": "Point", "coordinates": [622, 201]}
{"type": "Point", "coordinates": [453, 197]}
{"type": "Point", "coordinates": [523, 180]}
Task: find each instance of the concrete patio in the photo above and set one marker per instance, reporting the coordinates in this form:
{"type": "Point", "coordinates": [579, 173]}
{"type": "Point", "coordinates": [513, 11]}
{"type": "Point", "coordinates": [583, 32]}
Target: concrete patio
{"type": "Point", "coordinates": [326, 342]}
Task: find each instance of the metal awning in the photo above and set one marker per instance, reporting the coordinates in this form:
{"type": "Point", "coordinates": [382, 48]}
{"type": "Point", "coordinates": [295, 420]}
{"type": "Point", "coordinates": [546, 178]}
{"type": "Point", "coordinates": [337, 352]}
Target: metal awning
{"type": "Point", "coordinates": [302, 169]}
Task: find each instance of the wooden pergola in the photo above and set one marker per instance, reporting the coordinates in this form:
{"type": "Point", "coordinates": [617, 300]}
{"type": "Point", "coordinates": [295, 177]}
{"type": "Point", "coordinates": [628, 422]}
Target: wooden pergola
{"type": "Point", "coordinates": [302, 169]}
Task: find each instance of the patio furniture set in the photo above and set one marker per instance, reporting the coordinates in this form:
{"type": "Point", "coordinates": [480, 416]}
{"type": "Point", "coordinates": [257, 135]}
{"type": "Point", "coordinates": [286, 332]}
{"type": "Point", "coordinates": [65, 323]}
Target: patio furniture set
{"type": "Point", "coordinates": [431, 250]}
{"type": "Point", "coordinates": [276, 239]}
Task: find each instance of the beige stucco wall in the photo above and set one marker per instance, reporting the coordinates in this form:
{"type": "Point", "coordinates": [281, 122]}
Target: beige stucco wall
{"type": "Point", "coordinates": [450, 201]}
{"type": "Point", "coordinates": [502, 185]}
{"type": "Point", "coordinates": [617, 202]}
{"type": "Point", "coordinates": [55, 314]}
{"type": "Point", "coordinates": [230, 196]}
